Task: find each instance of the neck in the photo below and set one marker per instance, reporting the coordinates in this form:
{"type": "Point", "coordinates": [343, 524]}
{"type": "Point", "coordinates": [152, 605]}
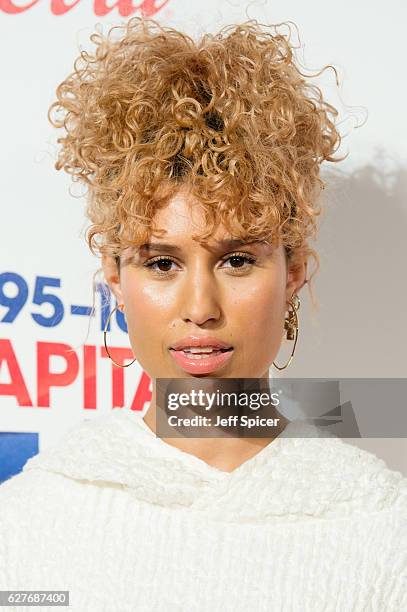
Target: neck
{"type": "Point", "coordinates": [220, 451]}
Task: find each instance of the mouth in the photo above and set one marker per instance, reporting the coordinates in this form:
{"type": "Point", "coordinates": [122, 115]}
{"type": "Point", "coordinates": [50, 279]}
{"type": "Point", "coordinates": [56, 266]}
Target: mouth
{"type": "Point", "coordinates": [201, 360]}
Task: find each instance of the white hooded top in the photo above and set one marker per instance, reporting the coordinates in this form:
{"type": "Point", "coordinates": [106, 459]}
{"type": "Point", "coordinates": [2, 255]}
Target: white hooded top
{"type": "Point", "coordinates": [127, 522]}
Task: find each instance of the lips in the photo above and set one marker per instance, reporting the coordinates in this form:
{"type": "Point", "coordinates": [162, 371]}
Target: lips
{"type": "Point", "coordinates": [195, 361]}
{"type": "Point", "coordinates": [200, 341]}
{"type": "Point", "coordinates": [201, 364]}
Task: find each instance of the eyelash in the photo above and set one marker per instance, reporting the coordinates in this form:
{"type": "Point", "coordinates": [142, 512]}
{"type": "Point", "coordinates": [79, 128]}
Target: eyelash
{"type": "Point", "coordinates": [158, 259]}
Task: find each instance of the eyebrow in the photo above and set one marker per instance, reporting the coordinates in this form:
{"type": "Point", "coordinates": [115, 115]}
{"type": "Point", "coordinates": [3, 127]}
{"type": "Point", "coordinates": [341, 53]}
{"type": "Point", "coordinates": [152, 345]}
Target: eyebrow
{"type": "Point", "coordinates": [220, 244]}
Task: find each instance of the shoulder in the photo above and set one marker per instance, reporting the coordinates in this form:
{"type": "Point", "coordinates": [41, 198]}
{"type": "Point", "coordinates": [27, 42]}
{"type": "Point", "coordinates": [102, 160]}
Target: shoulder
{"type": "Point", "coordinates": [85, 448]}
{"type": "Point", "coordinates": [30, 506]}
{"type": "Point", "coordinates": [308, 478]}
{"type": "Point", "coordinates": [31, 495]}
{"type": "Point", "coordinates": [353, 479]}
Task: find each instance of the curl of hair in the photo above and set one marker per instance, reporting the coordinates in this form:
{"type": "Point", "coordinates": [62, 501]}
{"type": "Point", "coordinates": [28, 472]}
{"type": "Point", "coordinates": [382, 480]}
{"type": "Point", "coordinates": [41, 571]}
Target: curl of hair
{"type": "Point", "coordinates": [230, 115]}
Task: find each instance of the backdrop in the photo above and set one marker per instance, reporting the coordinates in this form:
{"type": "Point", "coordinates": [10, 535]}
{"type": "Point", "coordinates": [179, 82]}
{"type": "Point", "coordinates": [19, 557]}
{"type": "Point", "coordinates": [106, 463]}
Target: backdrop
{"type": "Point", "coordinates": [53, 367]}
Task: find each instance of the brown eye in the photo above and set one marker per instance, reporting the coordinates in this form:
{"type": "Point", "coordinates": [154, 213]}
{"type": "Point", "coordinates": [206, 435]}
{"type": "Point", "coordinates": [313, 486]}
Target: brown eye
{"type": "Point", "coordinates": [161, 266]}
{"type": "Point", "coordinates": [164, 264]}
{"type": "Point", "coordinates": [240, 261]}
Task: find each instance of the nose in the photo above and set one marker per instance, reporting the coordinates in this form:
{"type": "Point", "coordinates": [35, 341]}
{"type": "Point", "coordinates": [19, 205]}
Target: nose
{"type": "Point", "coordinates": [200, 296]}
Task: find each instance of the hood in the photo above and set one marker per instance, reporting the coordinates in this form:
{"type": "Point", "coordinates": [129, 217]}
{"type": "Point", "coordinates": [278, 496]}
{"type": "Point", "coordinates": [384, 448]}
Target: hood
{"type": "Point", "coordinates": [300, 474]}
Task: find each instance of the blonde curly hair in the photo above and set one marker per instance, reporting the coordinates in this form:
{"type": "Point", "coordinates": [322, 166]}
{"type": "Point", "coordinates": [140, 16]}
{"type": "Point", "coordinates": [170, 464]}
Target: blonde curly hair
{"type": "Point", "coordinates": [230, 115]}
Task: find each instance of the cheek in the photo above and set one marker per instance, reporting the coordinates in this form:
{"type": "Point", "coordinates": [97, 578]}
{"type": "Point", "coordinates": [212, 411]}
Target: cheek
{"type": "Point", "coordinates": [258, 321]}
{"type": "Point", "coordinates": [145, 308]}
{"type": "Point", "coordinates": [261, 311]}
{"type": "Point", "coordinates": [141, 297]}
{"type": "Point", "coordinates": [147, 322]}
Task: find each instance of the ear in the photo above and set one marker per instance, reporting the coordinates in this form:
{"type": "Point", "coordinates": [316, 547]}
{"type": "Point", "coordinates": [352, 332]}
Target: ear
{"type": "Point", "coordinates": [112, 276]}
{"type": "Point", "coordinates": [296, 279]}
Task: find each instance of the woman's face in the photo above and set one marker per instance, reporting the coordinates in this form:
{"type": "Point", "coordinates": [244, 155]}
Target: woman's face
{"type": "Point", "coordinates": [237, 294]}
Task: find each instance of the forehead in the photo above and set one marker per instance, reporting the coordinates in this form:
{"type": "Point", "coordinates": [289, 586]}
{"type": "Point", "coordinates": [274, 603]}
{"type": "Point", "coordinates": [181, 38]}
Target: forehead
{"type": "Point", "coordinates": [181, 217]}
{"type": "Point", "coordinates": [177, 226]}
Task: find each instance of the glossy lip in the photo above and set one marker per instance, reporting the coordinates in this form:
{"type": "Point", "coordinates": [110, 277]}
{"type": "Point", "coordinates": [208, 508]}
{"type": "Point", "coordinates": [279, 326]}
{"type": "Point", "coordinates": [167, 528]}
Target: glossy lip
{"type": "Point", "coordinates": [204, 365]}
{"type": "Point", "coordinates": [200, 341]}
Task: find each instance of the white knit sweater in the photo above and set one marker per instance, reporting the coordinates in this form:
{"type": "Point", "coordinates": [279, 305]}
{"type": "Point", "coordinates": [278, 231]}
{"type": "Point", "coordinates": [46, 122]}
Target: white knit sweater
{"type": "Point", "coordinates": [125, 521]}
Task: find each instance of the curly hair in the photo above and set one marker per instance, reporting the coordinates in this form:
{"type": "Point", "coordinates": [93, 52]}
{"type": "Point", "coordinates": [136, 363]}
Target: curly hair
{"type": "Point", "coordinates": [230, 115]}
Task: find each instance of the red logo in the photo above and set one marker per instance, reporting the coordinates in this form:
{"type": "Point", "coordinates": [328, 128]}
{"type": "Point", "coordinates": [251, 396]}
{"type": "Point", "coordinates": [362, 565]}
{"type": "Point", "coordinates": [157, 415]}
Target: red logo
{"type": "Point", "coordinates": [147, 8]}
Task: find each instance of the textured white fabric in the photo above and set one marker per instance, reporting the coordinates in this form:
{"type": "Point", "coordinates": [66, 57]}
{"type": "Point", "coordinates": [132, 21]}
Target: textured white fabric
{"type": "Point", "coordinates": [125, 521]}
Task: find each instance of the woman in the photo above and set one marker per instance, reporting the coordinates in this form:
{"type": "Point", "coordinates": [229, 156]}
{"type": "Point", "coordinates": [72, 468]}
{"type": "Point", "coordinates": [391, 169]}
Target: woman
{"type": "Point", "coordinates": [202, 161]}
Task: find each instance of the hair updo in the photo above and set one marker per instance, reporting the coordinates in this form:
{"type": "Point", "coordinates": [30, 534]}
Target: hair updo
{"type": "Point", "coordinates": [231, 116]}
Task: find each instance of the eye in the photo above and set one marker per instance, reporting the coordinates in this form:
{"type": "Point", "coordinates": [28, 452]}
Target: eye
{"type": "Point", "coordinates": [240, 261]}
{"type": "Point", "coordinates": [160, 261]}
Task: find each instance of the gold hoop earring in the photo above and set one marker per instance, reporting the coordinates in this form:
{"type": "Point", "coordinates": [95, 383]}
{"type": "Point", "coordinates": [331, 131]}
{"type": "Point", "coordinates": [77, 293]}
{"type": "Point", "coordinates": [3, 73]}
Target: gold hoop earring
{"type": "Point", "coordinates": [121, 306]}
{"type": "Point", "coordinates": [291, 324]}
